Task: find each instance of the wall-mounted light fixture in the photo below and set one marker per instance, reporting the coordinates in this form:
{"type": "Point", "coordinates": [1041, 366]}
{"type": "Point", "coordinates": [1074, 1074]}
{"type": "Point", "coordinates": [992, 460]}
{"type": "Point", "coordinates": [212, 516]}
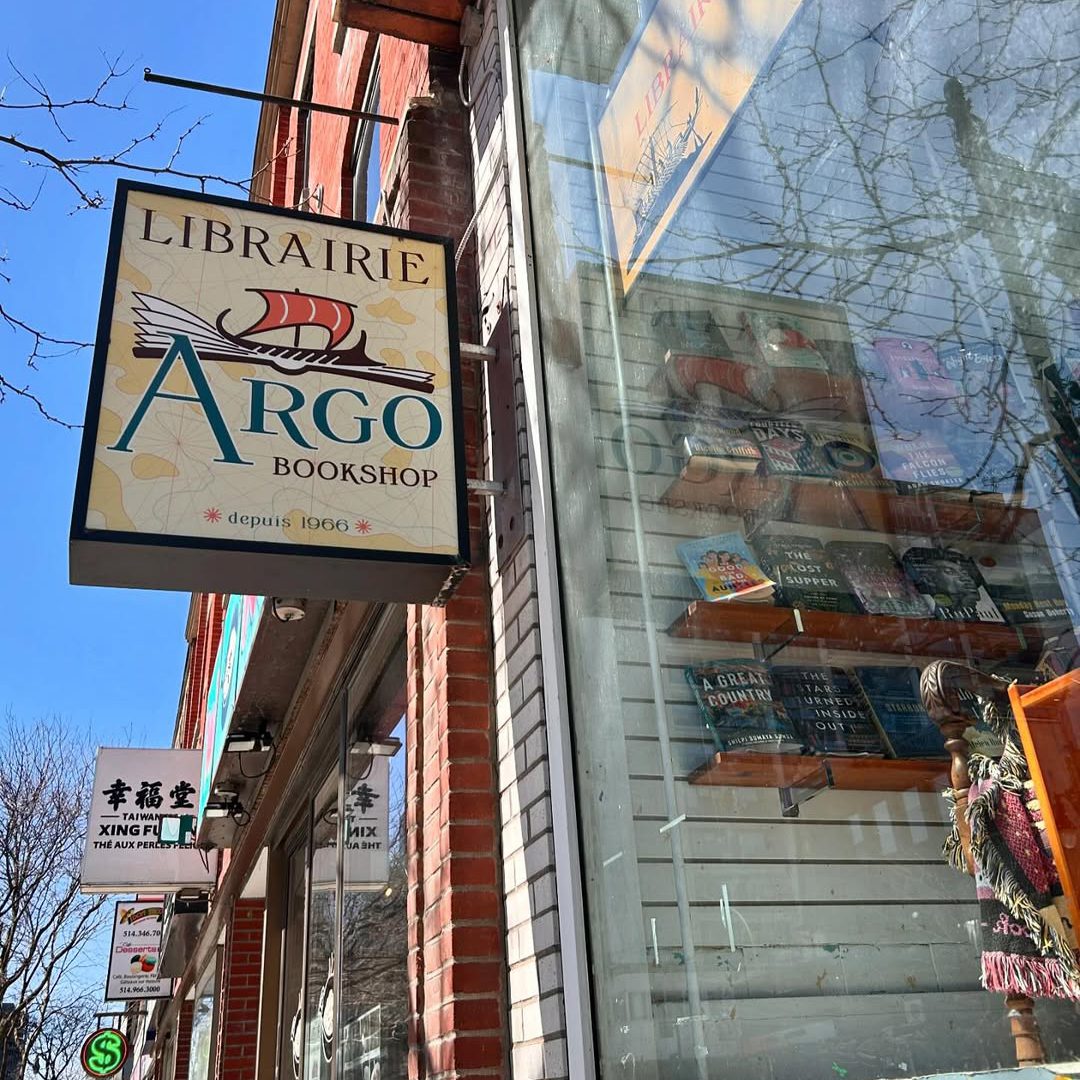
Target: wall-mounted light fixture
{"type": "Point", "coordinates": [288, 608]}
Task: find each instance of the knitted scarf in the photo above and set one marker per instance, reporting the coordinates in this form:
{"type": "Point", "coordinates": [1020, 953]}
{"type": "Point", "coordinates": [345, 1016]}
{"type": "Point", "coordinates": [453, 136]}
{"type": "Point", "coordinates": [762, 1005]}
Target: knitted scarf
{"type": "Point", "coordinates": [1028, 947]}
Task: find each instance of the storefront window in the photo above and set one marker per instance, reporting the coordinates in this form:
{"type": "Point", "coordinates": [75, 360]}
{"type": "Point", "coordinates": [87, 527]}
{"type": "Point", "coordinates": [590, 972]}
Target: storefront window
{"type": "Point", "coordinates": [344, 984]}
{"type": "Point", "coordinates": [374, 989]}
{"type": "Point", "coordinates": [809, 291]}
{"type": "Point", "coordinates": [203, 1026]}
{"type": "Point", "coordinates": [322, 935]}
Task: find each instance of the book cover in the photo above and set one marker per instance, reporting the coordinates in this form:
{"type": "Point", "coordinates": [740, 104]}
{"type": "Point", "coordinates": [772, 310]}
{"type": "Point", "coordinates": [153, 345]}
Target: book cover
{"type": "Point", "coordinates": [877, 578]}
{"type": "Point", "coordinates": [785, 446]}
{"type": "Point", "coordinates": [804, 573]}
{"type": "Point", "coordinates": [920, 459]}
{"type": "Point", "coordinates": [827, 710]}
{"type": "Point", "coordinates": [893, 696]}
{"type": "Point", "coordinates": [736, 701]}
{"type": "Point", "coordinates": [846, 455]}
{"type": "Point", "coordinates": [913, 367]}
{"type": "Point", "coordinates": [952, 583]}
{"type": "Point", "coordinates": [722, 450]}
{"type": "Point", "coordinates": [1025, 591]}
{"type": "Point", "coordinates": [723, 568]}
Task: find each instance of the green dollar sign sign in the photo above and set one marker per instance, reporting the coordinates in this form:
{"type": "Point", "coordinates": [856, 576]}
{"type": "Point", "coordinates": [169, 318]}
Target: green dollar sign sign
{"type": "Point", "coordinates": [104, 1053]}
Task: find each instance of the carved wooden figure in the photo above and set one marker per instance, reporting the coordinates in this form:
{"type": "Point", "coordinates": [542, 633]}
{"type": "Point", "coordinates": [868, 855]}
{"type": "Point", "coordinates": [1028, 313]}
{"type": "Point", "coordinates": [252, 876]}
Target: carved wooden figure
{"type": "Point", "coordinates": [941, 685]}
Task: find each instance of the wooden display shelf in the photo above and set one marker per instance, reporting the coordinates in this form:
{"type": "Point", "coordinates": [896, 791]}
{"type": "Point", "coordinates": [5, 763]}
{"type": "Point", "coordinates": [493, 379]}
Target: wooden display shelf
{"type": "Point", "coordinates": [846, 773]}
{"type": "Point", "coordinates": [763, 623]}
{"type": "Point", "coordinates": [813, 501]}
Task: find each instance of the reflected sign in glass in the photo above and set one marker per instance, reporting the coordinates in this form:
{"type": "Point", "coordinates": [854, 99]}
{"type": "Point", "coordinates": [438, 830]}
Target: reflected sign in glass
{"type": "Point", "coordinates": [680, 83]}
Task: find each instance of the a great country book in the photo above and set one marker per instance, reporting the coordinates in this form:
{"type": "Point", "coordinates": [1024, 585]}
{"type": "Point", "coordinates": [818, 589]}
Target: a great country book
{"type": "Point", "coordinates": [827, 709]}
{"type": "Point", "coordinates": [877, 579]}
{"type": "Point", "coordinates": [804, 573]}
{"type": "Point", "coordinates": [737, 704]}
{"type": "Point", "coordinates": [893, 695]}
{"type": "Point", "coordinates": [953, 584]}
{"type": "Point", "coordinates": [723, 568]}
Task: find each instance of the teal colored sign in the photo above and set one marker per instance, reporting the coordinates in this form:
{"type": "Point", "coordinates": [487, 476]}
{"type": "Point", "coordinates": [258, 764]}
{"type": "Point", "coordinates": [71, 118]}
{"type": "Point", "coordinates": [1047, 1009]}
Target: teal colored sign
{"type": "Point", "coordinates": [242, 615]}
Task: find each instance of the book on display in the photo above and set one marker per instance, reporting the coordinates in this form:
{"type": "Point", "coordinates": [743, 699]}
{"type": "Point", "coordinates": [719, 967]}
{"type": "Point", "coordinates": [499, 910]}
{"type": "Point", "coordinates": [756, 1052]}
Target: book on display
{"type": "Point", "coordinates": [737, 704]}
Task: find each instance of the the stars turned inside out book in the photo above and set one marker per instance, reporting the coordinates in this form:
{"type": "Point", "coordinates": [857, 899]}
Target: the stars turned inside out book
{"type": "Point", "coordinates": [724, 568]}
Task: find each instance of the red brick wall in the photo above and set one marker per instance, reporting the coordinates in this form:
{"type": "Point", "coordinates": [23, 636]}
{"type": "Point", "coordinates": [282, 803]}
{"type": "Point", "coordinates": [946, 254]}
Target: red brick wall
{"type": "Point", "coordinates": [238, 997]}
{"type": "Point", "coordinates": [183, 1041]}
{"type": "Point", "coordinates": [403, 74]}
{"type": "Point", "coordinates": [457, 956]}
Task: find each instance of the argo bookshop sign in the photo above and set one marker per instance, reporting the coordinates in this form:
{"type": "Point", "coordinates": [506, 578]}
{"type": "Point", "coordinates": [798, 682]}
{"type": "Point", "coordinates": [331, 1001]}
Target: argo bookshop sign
{"type": "Point", "coordinates": [274, 406]}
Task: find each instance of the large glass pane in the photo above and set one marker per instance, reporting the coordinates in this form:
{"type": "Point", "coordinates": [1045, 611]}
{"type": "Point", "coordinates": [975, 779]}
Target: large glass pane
{"type": "Point", "coordinates": [290, 1051]}
{"type": "Point", "coordinates": [374, 947]}
{"type": "Point", "coordinates": [810, 310]}
{"type": "Point", "coordinates": [321, 935]}
{"type": "Point", "coordinates": [202, 1026]}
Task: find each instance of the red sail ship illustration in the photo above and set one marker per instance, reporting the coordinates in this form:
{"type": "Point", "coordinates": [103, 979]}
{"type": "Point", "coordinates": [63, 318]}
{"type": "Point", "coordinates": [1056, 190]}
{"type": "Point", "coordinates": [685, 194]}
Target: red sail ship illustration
{"type": "Point", "coordinates": [158, 321]}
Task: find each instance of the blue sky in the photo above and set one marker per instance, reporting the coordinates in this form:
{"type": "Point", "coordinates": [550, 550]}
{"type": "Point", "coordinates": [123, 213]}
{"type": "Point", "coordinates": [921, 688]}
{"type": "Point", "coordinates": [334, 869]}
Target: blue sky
{"type": "Point", "coordinates": [108, 658]}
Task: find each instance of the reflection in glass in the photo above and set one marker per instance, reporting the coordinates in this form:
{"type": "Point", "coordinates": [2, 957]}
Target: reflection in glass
{"type": "Point", "coordinates": [322, 930]}
{"type": "Point", "coordinates": [374, 988]}
{"type": "Point", "coordinates": [202, 1027]}
{"type": "Point", "coordinates": [810, 309]}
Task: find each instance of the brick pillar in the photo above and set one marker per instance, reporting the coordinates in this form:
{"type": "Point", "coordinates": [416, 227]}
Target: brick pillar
{"type": "Point", "coordinates": [238, 996]}
{"type": "Point", "coordinates": [457, 956]}
{"type": "Point", "coordinates": [183, 1041]}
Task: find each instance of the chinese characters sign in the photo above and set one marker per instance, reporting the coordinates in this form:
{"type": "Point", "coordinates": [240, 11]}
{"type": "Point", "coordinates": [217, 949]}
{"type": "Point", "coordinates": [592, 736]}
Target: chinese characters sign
{"type": "Point", "coordinates": [367, 819]}
{"type": "Point", "coordinates": [134, 790]}
{"type": "Point", "coordinates": [136, 950]}
{"type": "Point", "coordinates": [274, 406]}
{"type": "Point", "coordinates": [676, 93]}
{"type": "Point", "coordinates": [238, 630]}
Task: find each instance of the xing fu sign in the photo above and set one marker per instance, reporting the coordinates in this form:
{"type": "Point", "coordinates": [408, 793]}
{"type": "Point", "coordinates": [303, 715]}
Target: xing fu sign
{"type": "Point", "coordinates": [135, 792]}
{"type": "Point", "coordinates": [136, 952]}
{"type": "Point", "coordinates": [274, 406]}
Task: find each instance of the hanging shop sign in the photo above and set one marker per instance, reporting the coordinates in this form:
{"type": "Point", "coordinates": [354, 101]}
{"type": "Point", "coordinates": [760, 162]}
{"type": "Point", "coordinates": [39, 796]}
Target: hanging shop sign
{"type": "Point", "coordinates": [367, 828]}
{"type": "Point", "coordinates": [241, 622]}
{"type": "Point", "coordinates": [136, 951]}
{"type": "Point", "coordinates": [137, 794]}
{"type": "Point", "coordinates": [274, 406]}
{"type": "Point", "coordinates": [104, 1053]}
{"type": "Point", "coordinates": [672, 100]}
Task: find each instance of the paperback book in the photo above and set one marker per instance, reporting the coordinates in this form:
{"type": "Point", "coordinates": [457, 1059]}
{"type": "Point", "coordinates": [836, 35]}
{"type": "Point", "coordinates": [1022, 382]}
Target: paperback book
{"type": "Point", "coordinates": [921, 459]}
{"type": "Point", "coordinates": [877, 579]}
{"type": "Point", "coordinates": [723, 568]}
{"type": "Point", "coordinates": [804, 573]}
{"type": "Point", "coordinates": [1025, 591]}
{"type": "Point", "coordinates": [893, 696]}
{"type": "Point", "coordinates": [785, 446]}
{"type": "Point", "coordinates": [827, 710]}
{"type": "Point", "coordinates": [708, 436]}
{"type": "Point", "coordinates": [737, 703]}
{"type": "Point", "coordinates": [952, 583]}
